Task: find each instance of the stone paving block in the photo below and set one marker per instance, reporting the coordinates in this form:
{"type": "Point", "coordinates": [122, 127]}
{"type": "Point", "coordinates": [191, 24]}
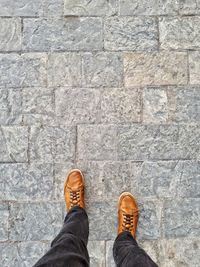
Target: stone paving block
{"type": "Point", "coordinates": [14, 144]}
{"type": "Point", "coordinates": [53, 8]}
{"type": "Point", "coordinates": [10, 106]}
{"type": "Point", "coordinates": [64, 69]}
{"type": "Point", "coordinates": [90, 8]}
{"type": "Point", "coordinates": [96, 142]}
{"type": "Point", "coordinates": [179, 33]}
{"type": "Point", "coordinates": [106, 179]}
{"type": "Point", "coordinates": [149, 7]}
{"type": "Point", "coordinates": [182, 218]}
{"type": "Point", "coordinates": [130, 33]}
{"type": "Point", "coordinates": [180, 252]}
{"type": "Point", "coordinates": [142, 142]}
{"type": "Point", "coordinates": [77, 34]}
{"type": "Point", "coordinates": [162, 68]}
{"type": "Point", "coordinates": [109, 254]}
{"type": "Point", "coordinates": [21, 8]}
{"type": "Point", "coordinates": [166, 179]}
{"type": "Point", "coordinates": [75, 106]}
{"type": "Point", "coordinates": [26, 182]}
{"type": "Point", "coordinates": [102, 219]}
{"type": "Point", "coordinates": [189, 7]}
{"type": "Point", "coordinates": [149, 225]}
{"type": "Point", "coordinates": [35, 221]}
{"type": "Point", "coordinates": [121, 105]}
{"type": "Point", "coordinates": [38, 106]}
{"type": "Point", "coordinates": [96, 252]}
{"type": "Point", "coordinates": [102, 69]}
{"type": "Point", "coordinates": [8, 255]}
{"type": "Point", "coordinates": [4, 216]}
{"type": "Point", "coordinates": [25, 70]}
{"type": "Point", "coordinates": [10, 34]}
{"type": "Point", "coordinates": [194, 67]}
{"type": "Point", "coordinates": [155, 105]}
{"type": "Point", "coordinates": [52, 144]}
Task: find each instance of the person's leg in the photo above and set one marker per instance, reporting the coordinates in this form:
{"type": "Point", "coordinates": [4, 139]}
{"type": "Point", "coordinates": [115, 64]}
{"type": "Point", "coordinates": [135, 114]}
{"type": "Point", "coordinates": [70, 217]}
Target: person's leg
{"type": "Point", "coordinates": [126, 251]}
{"type": "Point", "coordinates": [69, 248]}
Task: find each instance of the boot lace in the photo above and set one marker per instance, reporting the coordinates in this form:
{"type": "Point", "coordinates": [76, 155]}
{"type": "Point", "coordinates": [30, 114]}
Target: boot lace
{"type": "Point", "coordinates": [74, 198]}
{"type": "Point", "coordinates": [127, 224]}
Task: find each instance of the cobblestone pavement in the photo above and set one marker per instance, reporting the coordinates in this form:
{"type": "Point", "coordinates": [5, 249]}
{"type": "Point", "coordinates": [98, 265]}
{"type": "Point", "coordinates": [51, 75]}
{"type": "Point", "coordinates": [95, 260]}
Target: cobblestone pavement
{"type": "Point", "coordinates": [111, 87]}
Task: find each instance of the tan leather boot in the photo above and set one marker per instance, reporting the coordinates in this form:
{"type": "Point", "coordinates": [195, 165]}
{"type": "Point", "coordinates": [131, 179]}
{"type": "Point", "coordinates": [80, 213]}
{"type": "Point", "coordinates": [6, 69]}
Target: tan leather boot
{"type": "Point", "coordinates": [74, 189]}
{"type": "Point", "coordinates": [128, 214]}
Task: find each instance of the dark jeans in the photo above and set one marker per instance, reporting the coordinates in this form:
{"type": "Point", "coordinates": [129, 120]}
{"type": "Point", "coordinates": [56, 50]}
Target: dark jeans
{"type": "Point", "coordinates": [69, 248]}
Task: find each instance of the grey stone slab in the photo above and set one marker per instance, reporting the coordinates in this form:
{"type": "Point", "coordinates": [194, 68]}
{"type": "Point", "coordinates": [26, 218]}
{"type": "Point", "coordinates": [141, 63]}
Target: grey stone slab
{"type": "Point", "coordinates": [38, 106]}
{"type": "Point", "coordinates": [90, 8]}
{"type": "Point", "coordinates": [52, 144]}
{"type": "Point", "coordinates": [10, 106]}
{"type": "Point", "coordinates": [10, 34]}
{"type": "Point", "coordinates": [162, 68]}
{"type": "Point", "coordinates": [102, 219]}
{"type": "Point", "coordinates": [142, 142]}
{"type": "Point", "coordinates": [35, 221]}
{"type": "Point", "coordinates": [21, 8]}
{"type": "Point", "coordinates": [53, 8]}
{"type": "Point", "coordinates": [121, 105]}
{"type": "Point", "coordinates": [106, 179]}
{"type": "Point", "coordinates": [182, 218]}
{"type": "Point", "coordinates": [64, 69]}
{"type": "Point", "coordinates": [75, 106]}
{"type": "Point", "coordinates": [102, 69]}
{"type": "Point", "coordinates": [14, 144]}
{"type": "Point", "coordinates": [149, 225]}
{"type": "Point", "coordinates": [179, 33]}
{"type": "Point", "coordinates": [4, 216]}
{"type": "Point", "coordinates": [26, 182]}
{"type": "Point", "coordinates": [155, 105]}
{"type": "Point", "coordinates": [130, 33]}
{"type": "Point", "coordinates": [166, 179]}
{"type": "Point", "coordinates": [189, 7]}
{"type": "Point", "coordinates": [96, 142]}
{"type": "Point", "coordinates": [109, 254]}
{"type": "Point", "coordinates": [149, 7]}
{"type": "Point", "coordinates": [25, 70]}
{"type": "Point", "coordinates": [180, 252]}
{"type": "Point", "coordinates": [96, 251]}
{"type": "Point", "coordinates": [194, 67]}
{"type": "Point", "coordinates": [8, 255]}
{"type": "Point", "coordinates": [61, 171]}
{"type": "Point", "coordinates": [77, 34]}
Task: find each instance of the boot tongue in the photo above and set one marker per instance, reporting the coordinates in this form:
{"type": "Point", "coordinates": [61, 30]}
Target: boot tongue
{"type": "Point", "coordinates": [75, 181]}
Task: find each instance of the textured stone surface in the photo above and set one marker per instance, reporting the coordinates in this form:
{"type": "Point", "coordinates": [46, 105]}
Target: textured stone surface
{"type": "Point", "coordinates": [64, 69]}
{"type": "Point", "coordinates": [166, 179]}
{"type": "Point", "coordinates": [161, 68]}
{"type": "Point", "coordinates": [183, 219]}
{"type": "Point", "coordinates": [180, 33]}
{"type": "Point", "coordinates": [29, 221]}
{"type": "Point", "coordinates": [21, 8]}
{"type": "Point", "coordinates": [4, 215]}
{"type": "Point", "coordinates": [10, 34]}
{"type": "Point", "coordinates": [174, 253]}
{"type": "Point", "coordinates": [74, 105]}
{"type": "Point", "coordinates": [96, 251]}
{"type": "Point", "coordinates": [102, 69]}
{"type": "Point", "coordinates": [77, 34]}
{"type": "Point", "coordinates": [96, 142]}
{"type": "Point", "coordinates": [194, 67]}
{"type": "Point", "coordinates": [26, 182]}
{"type": "Point", "coordinates": [38, 106]}
{"type": "Point", "coordinates": [52, 144]}
{"type": "Point", "coordinates": [149, 7]}
{"type": "Point", "coordinates": [121, 105]}
{"type": "Point", "coordinates": [10, 106]}
{"type": "Point", "coordinates": [189, 7]}
{"type": "Point", "coordinates": [24, 70]}
{"type": "Point", "coordinates": [90, 8]}
{"type": "Point", "coordinates": [129, 33]}
{"type": "Point", "coordinates": [140, 142]}
{"type": "Point", "coordinates": [14, 144]}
